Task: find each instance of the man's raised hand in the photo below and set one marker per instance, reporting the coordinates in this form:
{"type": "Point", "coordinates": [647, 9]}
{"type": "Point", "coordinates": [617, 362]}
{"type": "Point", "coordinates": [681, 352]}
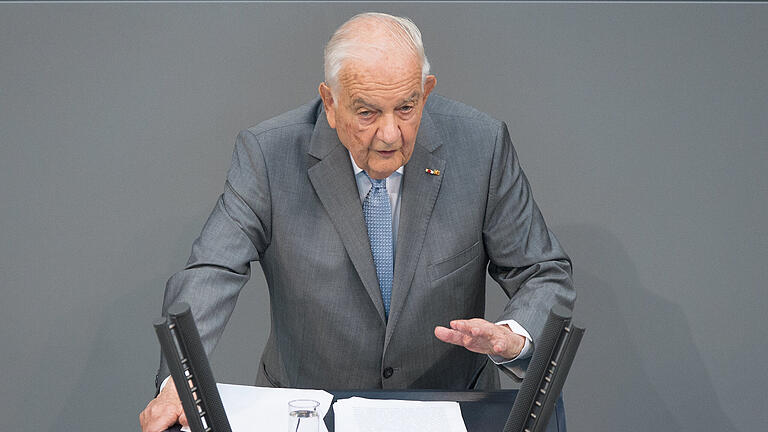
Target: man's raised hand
{"type": "Point", "coordinates": [481, 336]}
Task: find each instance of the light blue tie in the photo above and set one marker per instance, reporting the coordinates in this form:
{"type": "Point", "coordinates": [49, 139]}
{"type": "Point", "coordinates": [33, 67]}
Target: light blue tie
{"type": "Point", "coordinates": [378, 218]}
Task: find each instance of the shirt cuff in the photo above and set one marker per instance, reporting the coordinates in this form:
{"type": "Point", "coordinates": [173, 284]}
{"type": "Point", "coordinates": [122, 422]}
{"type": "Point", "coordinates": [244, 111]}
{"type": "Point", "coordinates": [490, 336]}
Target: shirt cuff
{"type": "Point", "coordinates": [165, 381]}
{"type": "Point", "coordinates": [527, 347]}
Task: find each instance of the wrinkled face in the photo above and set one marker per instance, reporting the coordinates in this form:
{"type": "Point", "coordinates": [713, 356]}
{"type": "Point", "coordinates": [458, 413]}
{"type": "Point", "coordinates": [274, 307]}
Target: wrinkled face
{"type": "Point", "coordinates": [378, 111]}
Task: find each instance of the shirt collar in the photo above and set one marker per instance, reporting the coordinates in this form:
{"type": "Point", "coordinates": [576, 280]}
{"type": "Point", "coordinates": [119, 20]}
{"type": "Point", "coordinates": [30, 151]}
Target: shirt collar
{"type": "Point", "coordinates": [358, 170]}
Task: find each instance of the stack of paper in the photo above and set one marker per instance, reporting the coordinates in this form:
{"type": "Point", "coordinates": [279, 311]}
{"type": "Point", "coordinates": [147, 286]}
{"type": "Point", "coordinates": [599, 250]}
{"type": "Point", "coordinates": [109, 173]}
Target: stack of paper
{"type": "Point", "coordinates": [377, 415]}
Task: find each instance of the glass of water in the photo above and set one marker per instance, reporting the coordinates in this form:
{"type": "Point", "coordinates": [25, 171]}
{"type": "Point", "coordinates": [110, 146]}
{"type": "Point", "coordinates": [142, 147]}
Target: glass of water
{"type": "Point", "coordinates": [303, 415]}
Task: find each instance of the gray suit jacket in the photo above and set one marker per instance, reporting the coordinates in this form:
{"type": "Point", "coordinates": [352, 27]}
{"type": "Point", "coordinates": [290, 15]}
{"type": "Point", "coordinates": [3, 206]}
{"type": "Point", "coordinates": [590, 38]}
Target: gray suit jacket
{"type": "Point", "coordinates": [291, 203]}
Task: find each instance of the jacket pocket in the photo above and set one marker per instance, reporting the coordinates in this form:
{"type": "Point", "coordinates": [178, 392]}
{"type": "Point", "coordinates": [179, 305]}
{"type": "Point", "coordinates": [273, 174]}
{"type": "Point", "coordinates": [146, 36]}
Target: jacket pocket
{"type": "Point", "coordinates": [446, 266]}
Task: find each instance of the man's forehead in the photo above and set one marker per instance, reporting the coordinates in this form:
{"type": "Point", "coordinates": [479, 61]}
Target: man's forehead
{"type": "Point", "coordinates": [400, 79]}
{"type": "Point", "coordinates": [372, 58]}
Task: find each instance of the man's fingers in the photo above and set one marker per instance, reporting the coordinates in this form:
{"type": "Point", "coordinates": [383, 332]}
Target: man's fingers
{"type": "Point", "coordinates": [449, 336]}
{"type": "Point", "coordinates": [474, 325]}
{"type": "Point", "coordinates": [481, 332]}
{"type": "Point", "coordinates": [474, 328]}
{"type": "Point", "coordinates": [158, 417]}
{"type": "Point", "coordinates": [162, 412]}
{"type": "Point", "coordinates": [455, 337]}
{"type": "Point", "coordinates": [462, 326]}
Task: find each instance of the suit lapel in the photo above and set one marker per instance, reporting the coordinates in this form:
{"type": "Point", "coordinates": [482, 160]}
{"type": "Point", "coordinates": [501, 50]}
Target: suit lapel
{"type": "Point", "coordinates": [334, 182]}
{"type": "Point", "coordinates": [418, 196]}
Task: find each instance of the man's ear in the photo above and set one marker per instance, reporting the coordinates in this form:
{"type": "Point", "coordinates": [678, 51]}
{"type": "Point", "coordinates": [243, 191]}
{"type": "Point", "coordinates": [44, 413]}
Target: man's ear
{"type": "Point", "coordinates": [429, 84]}
{"type": "Point", "coordinates": [330, 108]}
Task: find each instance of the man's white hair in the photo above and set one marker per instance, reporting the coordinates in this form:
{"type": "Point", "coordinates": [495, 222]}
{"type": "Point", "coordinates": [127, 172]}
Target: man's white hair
{"type": "Point", "coordinates": [346, 44]}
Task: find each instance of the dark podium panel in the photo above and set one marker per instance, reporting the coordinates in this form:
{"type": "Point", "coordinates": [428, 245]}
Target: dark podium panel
{"type": "Point", "coordinates": [482, 411]}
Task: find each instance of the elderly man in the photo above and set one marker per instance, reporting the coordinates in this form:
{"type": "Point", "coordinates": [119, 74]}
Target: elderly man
{"type": "Point", "coordinates": [374, 212]}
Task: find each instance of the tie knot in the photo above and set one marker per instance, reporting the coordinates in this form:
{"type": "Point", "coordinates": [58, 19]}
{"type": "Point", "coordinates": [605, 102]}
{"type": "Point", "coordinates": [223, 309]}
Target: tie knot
{"type": "Point", "coordinates": [377, 184]}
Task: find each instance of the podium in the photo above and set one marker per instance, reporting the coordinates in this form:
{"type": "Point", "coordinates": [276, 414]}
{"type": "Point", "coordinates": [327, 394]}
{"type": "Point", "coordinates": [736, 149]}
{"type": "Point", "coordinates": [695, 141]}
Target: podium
{"type": "Point", "coordinates": [538, 399]}
{"type": "Point", "coordinates": [482, 411]}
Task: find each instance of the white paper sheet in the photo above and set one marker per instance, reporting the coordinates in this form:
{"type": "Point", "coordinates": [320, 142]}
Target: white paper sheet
{"type": "Point", "coordinates": [377, 415]}
{"type": "Point", "coordinates": [266, 409]}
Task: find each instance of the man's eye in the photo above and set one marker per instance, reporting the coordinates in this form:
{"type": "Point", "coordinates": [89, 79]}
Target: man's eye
{"type": "Point", "coordinates": [406, 109]}
{"type": "Point", "coordinates": [365, 114]}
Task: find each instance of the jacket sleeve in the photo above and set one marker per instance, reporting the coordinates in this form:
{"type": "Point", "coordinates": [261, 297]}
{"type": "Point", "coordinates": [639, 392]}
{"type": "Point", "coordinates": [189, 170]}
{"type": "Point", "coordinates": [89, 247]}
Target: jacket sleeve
{"type": "Point", "coordinates": [236, 233]}
{"type": "Point", "coordinates": [525, 257]}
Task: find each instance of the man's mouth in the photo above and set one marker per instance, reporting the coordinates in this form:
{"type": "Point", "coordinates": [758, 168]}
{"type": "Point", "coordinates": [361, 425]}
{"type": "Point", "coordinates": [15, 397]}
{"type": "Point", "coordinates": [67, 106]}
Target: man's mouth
{"type": "Point", "coordinates": [386, 153]}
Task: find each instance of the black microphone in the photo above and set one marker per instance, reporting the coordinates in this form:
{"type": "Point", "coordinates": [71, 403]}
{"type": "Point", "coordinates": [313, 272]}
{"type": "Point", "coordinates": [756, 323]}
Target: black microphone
{"type": "Point", "coordinates": [552, 357]}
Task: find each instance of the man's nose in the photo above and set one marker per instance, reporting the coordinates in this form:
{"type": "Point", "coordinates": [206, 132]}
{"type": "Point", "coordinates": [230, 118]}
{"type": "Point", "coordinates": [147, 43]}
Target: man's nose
{"type": "Point", "coordinates": [389, 131]}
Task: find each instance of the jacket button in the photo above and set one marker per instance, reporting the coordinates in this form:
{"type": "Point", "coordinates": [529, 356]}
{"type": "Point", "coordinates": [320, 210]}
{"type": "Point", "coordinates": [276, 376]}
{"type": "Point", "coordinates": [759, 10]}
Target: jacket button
{"type": "Point", "coordinates": [388, 371]}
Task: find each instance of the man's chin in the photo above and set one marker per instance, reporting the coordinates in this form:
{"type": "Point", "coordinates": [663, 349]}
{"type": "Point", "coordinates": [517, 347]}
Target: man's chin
{"type": "Point", "coordinates": [381, 173]}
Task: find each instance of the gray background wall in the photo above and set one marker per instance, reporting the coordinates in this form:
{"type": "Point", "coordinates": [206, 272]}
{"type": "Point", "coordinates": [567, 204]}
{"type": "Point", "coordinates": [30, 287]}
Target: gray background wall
{"type": "Point", "coordinates": [642, 128]}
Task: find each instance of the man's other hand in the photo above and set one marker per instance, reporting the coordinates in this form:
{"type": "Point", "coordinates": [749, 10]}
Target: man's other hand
{"type": "Point", "coordinates": [163, 411]}
{"type": "Point", "coordinates": [481, 336]}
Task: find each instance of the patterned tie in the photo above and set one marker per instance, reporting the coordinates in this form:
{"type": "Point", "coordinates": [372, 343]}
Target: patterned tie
{"type": "Point", "coordinates": [378, 219]}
